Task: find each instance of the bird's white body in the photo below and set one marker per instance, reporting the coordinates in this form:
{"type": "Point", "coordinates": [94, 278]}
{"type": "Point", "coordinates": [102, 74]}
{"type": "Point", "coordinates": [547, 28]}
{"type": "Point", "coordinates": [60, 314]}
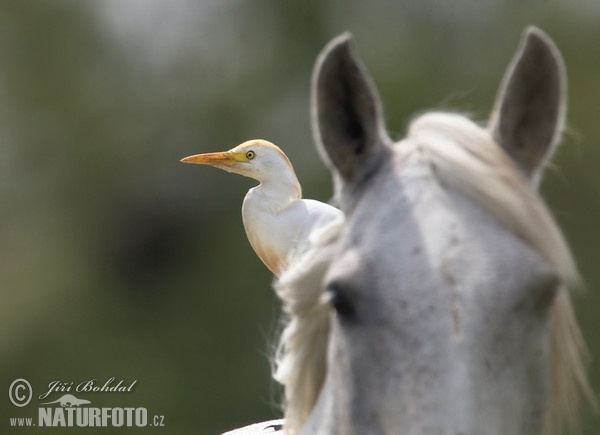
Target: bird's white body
{"type": "Point", "coordinates": [278, 222]}
{"type": "Point", "coordinates": [288, 224]}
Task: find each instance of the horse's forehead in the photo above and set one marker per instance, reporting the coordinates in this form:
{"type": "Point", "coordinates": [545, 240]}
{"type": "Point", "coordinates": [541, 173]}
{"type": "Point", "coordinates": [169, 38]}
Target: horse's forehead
{"type": "Point", "coordinates": [431, 257]}
{"type": "Point", "coordinates": [400, 214]}
{"type": "Point", "coordinates": [406, 222]}
{"type": "Point", "coordinates": [404, 193]}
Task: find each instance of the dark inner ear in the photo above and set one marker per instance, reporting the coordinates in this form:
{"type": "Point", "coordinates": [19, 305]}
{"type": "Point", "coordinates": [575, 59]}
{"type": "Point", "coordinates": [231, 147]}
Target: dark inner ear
{"type": "Point", "coordinates": [346, 111]}
{"type": "Point", "coordinates": [343, 99]}
{"type": "Point", "coordinates": [529, 112]}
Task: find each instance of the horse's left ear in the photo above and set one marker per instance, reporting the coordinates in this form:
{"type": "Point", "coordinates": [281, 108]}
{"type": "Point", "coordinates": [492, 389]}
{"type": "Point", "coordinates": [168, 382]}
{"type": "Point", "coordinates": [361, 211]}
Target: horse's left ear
{"type": "Point", "coordinates": [529, 112]}
{"type": "Point", "coordinates": [346, 113]}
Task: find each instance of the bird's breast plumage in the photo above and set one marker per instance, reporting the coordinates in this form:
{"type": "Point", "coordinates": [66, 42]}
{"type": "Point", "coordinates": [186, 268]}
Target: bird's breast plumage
{"type": "Point", "coordinates": [270, 236]}
{"type": "Point", "coordinates": [278, 233]}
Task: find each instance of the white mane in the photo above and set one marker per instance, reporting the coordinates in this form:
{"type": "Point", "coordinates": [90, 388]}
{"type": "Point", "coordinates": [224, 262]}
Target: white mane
{"type": "Point", "coordinates": [300, 361]}
{"type": "Point", "coordinates": [464, 157]}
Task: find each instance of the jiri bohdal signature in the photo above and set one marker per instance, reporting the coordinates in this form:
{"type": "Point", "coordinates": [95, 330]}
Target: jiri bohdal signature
{"type": "Point", "coordinates": [89, 386]}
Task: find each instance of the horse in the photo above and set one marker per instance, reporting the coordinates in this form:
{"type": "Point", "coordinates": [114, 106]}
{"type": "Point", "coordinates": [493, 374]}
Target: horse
{"type": "Point", "coordinates": [441, 304]}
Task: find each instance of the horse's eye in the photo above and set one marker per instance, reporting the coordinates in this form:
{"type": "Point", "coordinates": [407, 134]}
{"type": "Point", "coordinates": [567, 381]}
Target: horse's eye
{"type": "Point", "coordinates": [341, 302]}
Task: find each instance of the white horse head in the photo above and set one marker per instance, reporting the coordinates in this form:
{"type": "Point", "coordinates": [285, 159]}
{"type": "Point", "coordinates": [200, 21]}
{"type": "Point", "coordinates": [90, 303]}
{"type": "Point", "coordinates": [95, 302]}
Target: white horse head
{"type": "Point", "coordinates": [440, 306]}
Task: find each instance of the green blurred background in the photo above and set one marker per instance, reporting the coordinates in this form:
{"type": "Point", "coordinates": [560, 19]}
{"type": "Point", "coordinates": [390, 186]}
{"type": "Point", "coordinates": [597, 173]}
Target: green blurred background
{"type": "Point", "coordinates": [118, 261]}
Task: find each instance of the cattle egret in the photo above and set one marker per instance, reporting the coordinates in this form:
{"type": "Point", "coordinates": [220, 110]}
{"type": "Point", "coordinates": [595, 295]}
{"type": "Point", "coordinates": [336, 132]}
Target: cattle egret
{"type": "Point", "coordinates": [278, 222]}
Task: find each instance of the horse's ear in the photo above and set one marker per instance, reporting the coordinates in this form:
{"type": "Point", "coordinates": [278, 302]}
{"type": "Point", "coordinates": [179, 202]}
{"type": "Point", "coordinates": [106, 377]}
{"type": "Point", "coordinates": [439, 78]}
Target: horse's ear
{"type": "Point", "coordinates": [346, 113]}
{"type": "Point", "coordinates": [529, 113]}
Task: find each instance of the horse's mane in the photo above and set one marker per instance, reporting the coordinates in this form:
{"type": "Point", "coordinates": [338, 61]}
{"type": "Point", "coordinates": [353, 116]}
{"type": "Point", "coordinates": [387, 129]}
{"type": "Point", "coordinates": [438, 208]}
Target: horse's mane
{"type": "Point", "coordinates": [464, 157]}
{"type": "Point", "coordinates": [300, 360]}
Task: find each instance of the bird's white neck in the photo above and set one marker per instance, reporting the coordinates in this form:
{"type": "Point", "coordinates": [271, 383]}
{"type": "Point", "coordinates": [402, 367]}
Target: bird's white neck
{"type": "Point", "coordinates": [280, 192]}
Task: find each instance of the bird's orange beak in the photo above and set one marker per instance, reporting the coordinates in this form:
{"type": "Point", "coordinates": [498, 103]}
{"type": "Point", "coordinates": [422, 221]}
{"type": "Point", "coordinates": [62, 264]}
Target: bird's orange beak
{"type": "Point", "coordinates": [226, 158]}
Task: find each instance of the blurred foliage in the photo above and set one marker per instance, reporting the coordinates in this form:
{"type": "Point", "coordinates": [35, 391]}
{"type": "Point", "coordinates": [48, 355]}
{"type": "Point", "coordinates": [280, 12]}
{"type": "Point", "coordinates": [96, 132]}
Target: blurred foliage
{"type": "Point", "coordinates": [117, 260]}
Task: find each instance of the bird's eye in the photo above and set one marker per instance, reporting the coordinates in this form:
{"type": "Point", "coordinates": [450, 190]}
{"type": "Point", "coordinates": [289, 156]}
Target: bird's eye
{"type": "Point", "coordinates": [250, 155]}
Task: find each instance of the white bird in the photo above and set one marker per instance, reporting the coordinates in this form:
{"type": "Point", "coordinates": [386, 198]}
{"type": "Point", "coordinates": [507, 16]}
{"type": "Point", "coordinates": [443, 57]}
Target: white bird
{"type": "Point", "coordinates": [278, 222]}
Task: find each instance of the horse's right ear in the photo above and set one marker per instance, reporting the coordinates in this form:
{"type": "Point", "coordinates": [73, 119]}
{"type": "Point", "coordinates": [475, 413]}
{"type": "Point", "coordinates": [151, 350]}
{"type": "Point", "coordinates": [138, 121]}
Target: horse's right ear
{"type": "Point", "coordinates": [529, 113]}
{"type": "Point", "coordinates": [346, 113]}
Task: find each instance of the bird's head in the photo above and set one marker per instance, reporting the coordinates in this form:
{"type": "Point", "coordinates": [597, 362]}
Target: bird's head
{"type": "Point", "coordinates": [258, 159]}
